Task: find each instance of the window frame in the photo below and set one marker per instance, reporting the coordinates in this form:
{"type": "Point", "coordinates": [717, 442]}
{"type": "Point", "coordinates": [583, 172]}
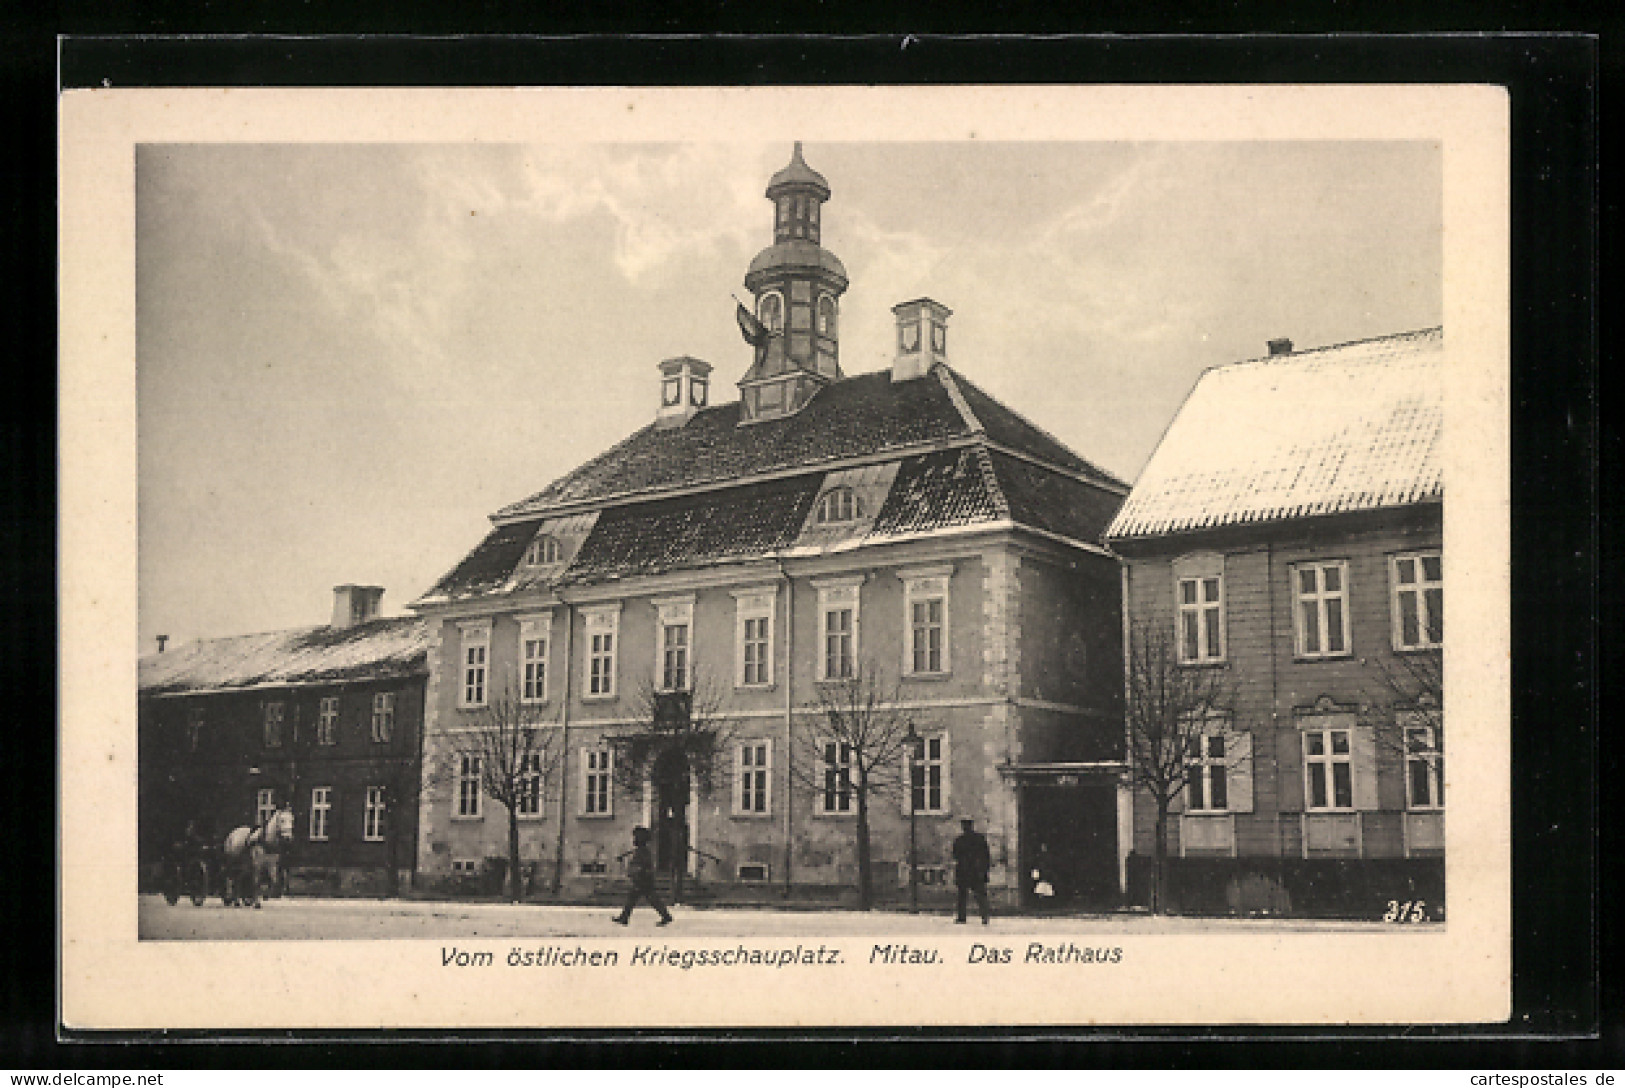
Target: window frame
{"type": "Point", "coordinates": [1330, 759]}
{"type": "Point", "coordinates": [837, 781]}
{"type": "Point", "coordinates": [1209, 768]}
{"type": "Point", "coordinates": [922, 585]}
{"type": "Point", "coordinates": [750, 606]}
{"type": "Point", "coordinates": [597, 783]}
{"type": "Point", "coordinates": [474, 677]}
{"type": "Point", "coordinates": [783, 311]}
{"type": "Point", "coordinates": [469, 797]}
{"type": "Point", "coordinates": [532, 800]}
{"type": "Point", "coordinates": [847, 496]}
{"type": "Point", "coordinates": [374, 815]}
{"type": "Point", "coordinates": [544, 550]}
{"type": "Point", "coordinates": [1431, 758]}
{"type": "Point", "coordinates": [1197, 570]}
{"type": "Point", "coordinates": [826, 329]}
{"type": "Point", "coordinates": [535, 627]}
{"type": "Point", "coordinates": [753, 780]}
{"type": "Point", "coordinates": [265, 805]}
{"type": "Point", "coordinates": [272, 717]}
{"type": "Point", "coordinates": [674, 614]}
{"type": "Point", "coordinates": [327, 720]}
{"type": "Point", "coordinates": [383, 717]}
{"type": "Point", "coordinates": [321, 804]}
{"type": "Point", "coordinates": [942, 763]}
{"type": "Point", "coordinates": [1321, 596]}
{"type": "Point", "coordinates": [839, 595]}
{"type": "Point", "coordinates": [1418, 589]}
{"type": "Point", "coordinates": [601, 622]}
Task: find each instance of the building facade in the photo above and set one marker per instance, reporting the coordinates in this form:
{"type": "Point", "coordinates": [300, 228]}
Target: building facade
{"type": "Point", "coordinates": [1287, 535]}
{"type": "Point", "coordinates": [899, 529]}
{"type": "Point", "coordinates": [324, 719]}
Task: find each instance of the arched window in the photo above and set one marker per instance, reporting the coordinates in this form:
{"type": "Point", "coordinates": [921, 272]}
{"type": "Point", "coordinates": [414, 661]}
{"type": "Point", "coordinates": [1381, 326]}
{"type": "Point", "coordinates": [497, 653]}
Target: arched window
{"type": "Point", "coordinates": [838, 504]}
{"type": "Point", "coordinates": [770, 311]}
{"type": "Point", "coordinates": [544, 549]}
{"type": "Point", "coordinates": [826, 315]}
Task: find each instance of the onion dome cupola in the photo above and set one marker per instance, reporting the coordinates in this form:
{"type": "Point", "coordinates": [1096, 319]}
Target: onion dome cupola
{"type": "Point", "coordinates": [797, 284]}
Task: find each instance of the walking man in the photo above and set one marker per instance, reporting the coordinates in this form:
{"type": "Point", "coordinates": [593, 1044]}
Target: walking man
{"type": "Point", "coordinates": [971, 863]}
{"type": "Point", "coordinates": [642, 871]}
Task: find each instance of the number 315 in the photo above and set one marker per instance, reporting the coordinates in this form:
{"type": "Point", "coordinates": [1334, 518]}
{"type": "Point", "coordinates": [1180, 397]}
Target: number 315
{"type": "Point", "coordinates": [1408, 911]}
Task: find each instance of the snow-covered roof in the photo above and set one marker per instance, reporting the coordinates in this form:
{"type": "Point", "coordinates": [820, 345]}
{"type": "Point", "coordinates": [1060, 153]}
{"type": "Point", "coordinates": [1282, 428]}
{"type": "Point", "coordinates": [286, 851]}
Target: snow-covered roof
{"type": "Point", "coordinates": [1331, 430]}
{"type": "Point", "coordinates": [305, 655]}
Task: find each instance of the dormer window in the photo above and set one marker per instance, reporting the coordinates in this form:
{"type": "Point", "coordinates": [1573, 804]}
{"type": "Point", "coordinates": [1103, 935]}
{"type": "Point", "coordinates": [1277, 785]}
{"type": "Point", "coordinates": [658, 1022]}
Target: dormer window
{"type": "Point", "coordinates": [542, 550]}
{"type": "Point", "coordinates": [837, 505]}
{"type": "Point", "coordinates": [698, 388]}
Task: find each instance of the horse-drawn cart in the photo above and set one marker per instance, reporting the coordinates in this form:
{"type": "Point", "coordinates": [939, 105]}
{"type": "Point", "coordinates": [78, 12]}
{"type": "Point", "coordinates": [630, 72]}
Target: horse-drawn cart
{"type": "Point", "coordinates": [191, 869]}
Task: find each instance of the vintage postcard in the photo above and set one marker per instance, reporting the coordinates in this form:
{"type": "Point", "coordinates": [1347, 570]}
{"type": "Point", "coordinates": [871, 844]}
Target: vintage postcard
{"type": "Point", "coordinates": [595, 557]}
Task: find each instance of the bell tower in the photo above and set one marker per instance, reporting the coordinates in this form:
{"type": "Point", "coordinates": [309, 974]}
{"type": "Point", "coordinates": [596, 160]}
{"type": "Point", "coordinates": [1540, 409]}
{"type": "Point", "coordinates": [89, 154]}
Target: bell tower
{"type": "Point", "coordinates": [798, 285]}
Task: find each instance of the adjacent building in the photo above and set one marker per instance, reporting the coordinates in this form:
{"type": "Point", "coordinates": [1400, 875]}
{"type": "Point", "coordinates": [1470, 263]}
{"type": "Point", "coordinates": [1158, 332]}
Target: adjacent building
{"type": "Point", "coordinates": [1287, 533]}
{"type": "Point", "coordinates": [325, 719]}
{"type": "Point", "coordinates": [900, 525]}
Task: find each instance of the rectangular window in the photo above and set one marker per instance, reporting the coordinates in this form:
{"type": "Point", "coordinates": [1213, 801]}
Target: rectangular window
{"type": "Point", "coordinates": [1322, 612]}
{"type": "Point", "coordinates": [1206, 776]}
{"type": "Point", "coordinates": [383, 716]}
{"type": "Point", "coordinates": [476, 650]}
{"type": "Point", "coordinates": [469, 788]}
{"type": "Point", "coordinates": [753, 617]}
{"type": "Point", "coordinates": [1328, 770]}
{"type": "Point", "coordinates": [597, 793]}
{"type": "Point", "coordinates": [530, 784]}
{"type": "Point", "coordinates": [928, 775]}
{"type": "Point", "coordinates": [1201, 621]}
{"type": "Point", "coordinates": [753, 766]}
{"type": "Point", "coordinates": [837, 795]}
{"type": "Point", "coordinates": [372, 825]}
{"type": "Point", "coordinates": [264, 806]}
{"type": "Point", "coordinates": [1418, 605]}
{"type": "Point", "coordinates": [533, 640]}
{"type": "Point", "coordinates": [925, 621]}
{"type": "Point", "coordinates": [838, 628]}
{"type": "Point", "coordinates": [272, 732]}
{"type": "Point", "coordinates": [1424, 769]}
{"type": "Point", "coordinates": [602, 627]}
{"type": "Point", "coordinates": [674, 657]}
{"type": "Point", "coordinates": [327, 721]}
{"type": "Point", "coordinates": [321, 805]}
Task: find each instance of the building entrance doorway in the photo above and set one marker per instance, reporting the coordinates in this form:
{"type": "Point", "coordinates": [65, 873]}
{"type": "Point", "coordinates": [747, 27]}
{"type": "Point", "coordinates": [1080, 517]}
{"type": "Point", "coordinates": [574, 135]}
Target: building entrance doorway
{"type": "Point", "coordinates": [671, 790]}
{"type": "Point", "coordinates": [1069, 838]}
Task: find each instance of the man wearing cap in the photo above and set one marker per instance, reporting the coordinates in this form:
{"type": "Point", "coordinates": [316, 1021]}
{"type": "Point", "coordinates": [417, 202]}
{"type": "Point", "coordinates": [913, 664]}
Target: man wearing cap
{"type": "Point", "coordinates": [971, 863]}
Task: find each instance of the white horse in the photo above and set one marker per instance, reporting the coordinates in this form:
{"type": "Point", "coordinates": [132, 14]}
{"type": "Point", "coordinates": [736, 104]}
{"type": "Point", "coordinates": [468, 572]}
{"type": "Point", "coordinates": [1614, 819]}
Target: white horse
{"type": "Point", "coordinates": [245, 854]}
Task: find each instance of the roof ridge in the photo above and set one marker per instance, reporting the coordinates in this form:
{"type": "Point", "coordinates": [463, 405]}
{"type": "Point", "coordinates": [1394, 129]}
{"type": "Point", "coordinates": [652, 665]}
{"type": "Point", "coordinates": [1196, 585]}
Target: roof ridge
{"type": "Point", "coordinates": [1289, 356]}
{"type": "Point", "coordinates": [991, 479]}
{"type": "Point", "coordinates": [1091, 467]}
{"type": "Point", "coordinates": [950, 383]}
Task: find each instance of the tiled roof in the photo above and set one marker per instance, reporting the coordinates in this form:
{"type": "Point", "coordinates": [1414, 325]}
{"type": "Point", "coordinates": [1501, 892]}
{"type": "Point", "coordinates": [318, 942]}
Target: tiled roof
{"type": "Point", "coordinates": [1332, 430]}
{"type": "Point", "coordinates": [1051, 501]}
{"type": "Point", "coordinates": [380, 649]}
{"type": "Point", "coordinates": [859, 416]}
{"type": "Point", "coordinates": [939, 490]}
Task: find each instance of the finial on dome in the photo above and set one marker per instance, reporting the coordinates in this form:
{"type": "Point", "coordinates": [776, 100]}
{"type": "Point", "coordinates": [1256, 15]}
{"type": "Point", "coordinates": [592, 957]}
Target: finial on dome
{"type": "Point", "coordinates": [798, 175]}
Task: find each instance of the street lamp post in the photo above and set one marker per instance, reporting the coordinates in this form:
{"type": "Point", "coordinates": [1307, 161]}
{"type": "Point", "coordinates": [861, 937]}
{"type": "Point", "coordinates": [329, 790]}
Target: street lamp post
{"type": "Point", "coordinates": [916, 748]}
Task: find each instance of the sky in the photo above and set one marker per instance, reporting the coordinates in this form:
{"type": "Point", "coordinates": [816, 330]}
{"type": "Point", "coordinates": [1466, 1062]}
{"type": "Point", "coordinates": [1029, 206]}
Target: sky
{"type": "Point", "coordinates": [348, 356]}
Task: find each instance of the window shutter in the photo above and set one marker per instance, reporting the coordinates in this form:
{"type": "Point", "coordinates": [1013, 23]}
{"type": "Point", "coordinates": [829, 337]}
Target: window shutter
{"type": "Point", "coordinates": [1364, 743]}
{"type": "Point", "coordinates": [1238, 772]}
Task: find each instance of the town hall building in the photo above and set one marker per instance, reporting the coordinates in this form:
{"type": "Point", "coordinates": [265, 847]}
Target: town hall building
{"type": "Point", "coordinates": [750, 555]}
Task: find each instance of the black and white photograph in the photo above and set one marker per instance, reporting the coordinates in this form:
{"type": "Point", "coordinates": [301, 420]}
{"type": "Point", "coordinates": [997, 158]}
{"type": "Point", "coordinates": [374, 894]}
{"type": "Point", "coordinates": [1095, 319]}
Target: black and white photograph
{"type": "Point", "coordinates": [791, 557]}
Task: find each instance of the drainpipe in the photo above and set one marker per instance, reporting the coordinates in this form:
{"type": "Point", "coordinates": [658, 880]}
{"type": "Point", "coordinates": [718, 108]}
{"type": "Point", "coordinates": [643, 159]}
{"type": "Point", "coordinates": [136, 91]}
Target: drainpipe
{"type": "Point", "coordinates": [789, 723]}
{"type": "Point", "coordinates": [564, 744]}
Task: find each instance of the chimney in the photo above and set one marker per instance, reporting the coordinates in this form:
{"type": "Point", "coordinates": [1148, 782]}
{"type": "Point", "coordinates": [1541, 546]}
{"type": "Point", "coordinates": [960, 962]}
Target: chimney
{"type": "Point", "coordinates": [1283, 346]}
{"type": "Point", "coordinates": [354, 604]}
{"type": "Point", "coordinates": [685, 388]}
{"type": "Point", "coordinates": [161, 640]}
{"type": "Point", "coordinates": [922, 338]}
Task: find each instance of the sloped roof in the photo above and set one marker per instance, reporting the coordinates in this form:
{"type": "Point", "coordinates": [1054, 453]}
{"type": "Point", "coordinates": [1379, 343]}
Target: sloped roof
{"type": "Point", "coordinates": [380, 649]}
{"type": "Point", "coordinates": [1351, 427]}
{"type": "Point", "coordinates": [859, 416]}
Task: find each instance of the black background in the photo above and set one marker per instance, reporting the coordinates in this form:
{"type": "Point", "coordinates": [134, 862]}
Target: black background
{"type": "Point", "coordinates": [1567, 1005]}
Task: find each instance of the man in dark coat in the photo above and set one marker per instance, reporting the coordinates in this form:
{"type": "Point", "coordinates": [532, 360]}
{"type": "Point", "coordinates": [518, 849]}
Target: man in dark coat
{"type": "Point", "coordinates": [642, 871]}
{"type": "Point", "coordinates": [971, 863]}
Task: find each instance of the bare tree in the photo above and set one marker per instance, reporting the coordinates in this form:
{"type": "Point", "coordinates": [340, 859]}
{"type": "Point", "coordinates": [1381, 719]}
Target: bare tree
{"type": "Point", "coordinates": [1405, 705]}
{"type": "Point", "coordinates": [518, 754]}
{"type": "Point", "coordinates": [682, 738]}
{"type": "Point", "coordinates": [1171, 707]}
{"type": "Point", "coordinates": [857, 752]}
